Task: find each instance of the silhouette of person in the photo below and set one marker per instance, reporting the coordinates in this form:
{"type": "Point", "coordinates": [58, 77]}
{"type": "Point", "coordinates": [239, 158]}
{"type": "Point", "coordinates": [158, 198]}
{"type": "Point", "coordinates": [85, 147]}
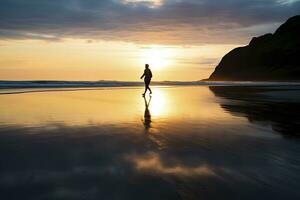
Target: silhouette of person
{"type": "Point", "coordinates": [148, 75]}
{"type": "Point", "coordinates": [147, 114]}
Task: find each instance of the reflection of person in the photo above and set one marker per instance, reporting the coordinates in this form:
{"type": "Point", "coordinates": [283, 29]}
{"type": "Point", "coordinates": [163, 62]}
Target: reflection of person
{"type": "Point", "coordinates": [147, 114]}
{"type": "Point", "coordinates": [148, 75]}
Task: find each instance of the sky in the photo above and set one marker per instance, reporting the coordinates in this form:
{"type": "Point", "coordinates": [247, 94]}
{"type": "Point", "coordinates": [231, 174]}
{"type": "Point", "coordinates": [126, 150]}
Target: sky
{"type": "Point", "coordinates": [113, 39]}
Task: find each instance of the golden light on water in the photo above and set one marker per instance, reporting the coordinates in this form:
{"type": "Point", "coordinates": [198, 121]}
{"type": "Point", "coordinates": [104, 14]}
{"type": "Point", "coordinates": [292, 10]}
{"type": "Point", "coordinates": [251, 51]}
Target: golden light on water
{"type": "Point", "coordinates": [109, 106]}
{"type": "Point", "coordinates": [159, 103]}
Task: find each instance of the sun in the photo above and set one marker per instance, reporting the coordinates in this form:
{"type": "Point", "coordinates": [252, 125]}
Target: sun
{"type": "Point", "coordinates": [157, 57]}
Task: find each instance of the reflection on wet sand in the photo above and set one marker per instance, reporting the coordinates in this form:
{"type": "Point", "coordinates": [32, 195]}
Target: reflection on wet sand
{"type": "Point", "coordinates": [117, 106]}
{"type": "Point", "coordinates": [147, 114]}
{"type": "Point", "coordinates": [152, 163]}
{"type": "Point", "coordinates": [92, 145]}
{"type": "Point", "coordinates": [264, 105]}
{"type": "Point", "coordinates": [147, 124]}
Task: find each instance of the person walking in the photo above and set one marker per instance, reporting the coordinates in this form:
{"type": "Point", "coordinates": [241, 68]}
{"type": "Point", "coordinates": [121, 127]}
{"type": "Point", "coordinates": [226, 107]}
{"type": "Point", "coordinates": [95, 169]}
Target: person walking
{"type": "Point", "coordinates": [148, 76]}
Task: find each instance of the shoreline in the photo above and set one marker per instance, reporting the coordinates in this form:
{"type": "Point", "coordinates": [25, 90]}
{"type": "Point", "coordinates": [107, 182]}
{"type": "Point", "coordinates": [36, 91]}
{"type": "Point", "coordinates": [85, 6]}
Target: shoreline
{"type": "Point", "coordinates": [63, 88]}
{"type": "Point", "coordinates": [101, 84]}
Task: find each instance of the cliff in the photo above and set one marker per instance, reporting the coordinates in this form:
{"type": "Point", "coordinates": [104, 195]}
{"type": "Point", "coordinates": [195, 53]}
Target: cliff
{"type": "Point", "coordinates": [271, 57]}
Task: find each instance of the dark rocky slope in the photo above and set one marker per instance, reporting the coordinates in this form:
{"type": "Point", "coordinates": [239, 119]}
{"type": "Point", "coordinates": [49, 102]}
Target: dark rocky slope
{"type": "Point", "coordinates": [271, 57]}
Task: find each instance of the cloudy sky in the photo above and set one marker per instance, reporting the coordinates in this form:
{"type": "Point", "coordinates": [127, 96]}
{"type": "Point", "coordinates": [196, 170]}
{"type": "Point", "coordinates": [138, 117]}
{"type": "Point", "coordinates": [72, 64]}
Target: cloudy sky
{"type": "Point", "coordinates": [112, 39]}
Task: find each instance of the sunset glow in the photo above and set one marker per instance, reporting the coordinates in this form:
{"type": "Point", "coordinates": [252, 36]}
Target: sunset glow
{"type": "Point", "coordinates": [149, 99]}
{"type": "Point", "coordinates": [158, 57]}
{"type": "Point", "coordinates": [104, 60]}
{"type": "Point", "coordinates": [114, 39]}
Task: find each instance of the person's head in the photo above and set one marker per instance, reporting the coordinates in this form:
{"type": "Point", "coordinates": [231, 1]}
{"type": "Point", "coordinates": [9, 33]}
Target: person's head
{"type": "Point", "coordinates": [147, 66]}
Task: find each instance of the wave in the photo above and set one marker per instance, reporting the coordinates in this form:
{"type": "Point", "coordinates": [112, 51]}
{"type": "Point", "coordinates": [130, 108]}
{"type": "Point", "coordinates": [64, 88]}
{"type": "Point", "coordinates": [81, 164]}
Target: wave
{"type": "Point", "coordinates": [17, 87]}
{"type": "Point", "coordinates": [64, 84]}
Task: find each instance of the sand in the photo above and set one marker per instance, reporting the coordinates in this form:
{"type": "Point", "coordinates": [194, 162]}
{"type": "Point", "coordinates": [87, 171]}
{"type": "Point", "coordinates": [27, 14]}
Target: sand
{"type": "Point", "coordinates": [192, 142]}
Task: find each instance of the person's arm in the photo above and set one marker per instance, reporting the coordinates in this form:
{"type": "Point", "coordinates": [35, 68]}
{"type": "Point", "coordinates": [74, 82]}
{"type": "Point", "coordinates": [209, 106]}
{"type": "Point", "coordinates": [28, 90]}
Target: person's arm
{"type": "Point", "coordinates": [143, 75]}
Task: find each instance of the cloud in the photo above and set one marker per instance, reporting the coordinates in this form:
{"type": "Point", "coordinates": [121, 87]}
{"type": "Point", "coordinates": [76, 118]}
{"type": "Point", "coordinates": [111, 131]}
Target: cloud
{"type": "Point", "coordinates": [203, 61]}
{"type": "Point", "coordinates": [168, 21]}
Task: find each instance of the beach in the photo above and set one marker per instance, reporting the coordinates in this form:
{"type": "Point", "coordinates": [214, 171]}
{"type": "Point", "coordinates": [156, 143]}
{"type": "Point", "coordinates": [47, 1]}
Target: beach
{"type": "Point", "coordinates": [183, 142]}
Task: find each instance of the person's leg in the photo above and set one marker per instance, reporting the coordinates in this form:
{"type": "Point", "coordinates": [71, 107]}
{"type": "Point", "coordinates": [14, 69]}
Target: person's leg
{"type": "Point", "coordinates": [146, 87]}
{"type": "Point", "coordinates": [149, 89]}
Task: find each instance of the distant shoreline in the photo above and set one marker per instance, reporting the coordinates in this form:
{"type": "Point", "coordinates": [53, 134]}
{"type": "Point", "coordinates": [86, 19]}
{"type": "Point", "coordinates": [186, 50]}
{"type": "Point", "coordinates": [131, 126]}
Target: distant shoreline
{"type": "Point", "coordinates": [98, 84]}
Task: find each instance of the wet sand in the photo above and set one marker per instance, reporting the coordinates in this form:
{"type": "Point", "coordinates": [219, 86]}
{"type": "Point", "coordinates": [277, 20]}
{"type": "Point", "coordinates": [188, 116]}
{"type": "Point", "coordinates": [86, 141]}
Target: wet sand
{"type": "Point", "coordinates": [192, 142]}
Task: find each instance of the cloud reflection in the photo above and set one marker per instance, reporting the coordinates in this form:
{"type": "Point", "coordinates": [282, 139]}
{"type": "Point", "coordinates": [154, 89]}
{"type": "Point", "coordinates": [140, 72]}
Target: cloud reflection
{"type": "Point", "coordinates": [153, 163]}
